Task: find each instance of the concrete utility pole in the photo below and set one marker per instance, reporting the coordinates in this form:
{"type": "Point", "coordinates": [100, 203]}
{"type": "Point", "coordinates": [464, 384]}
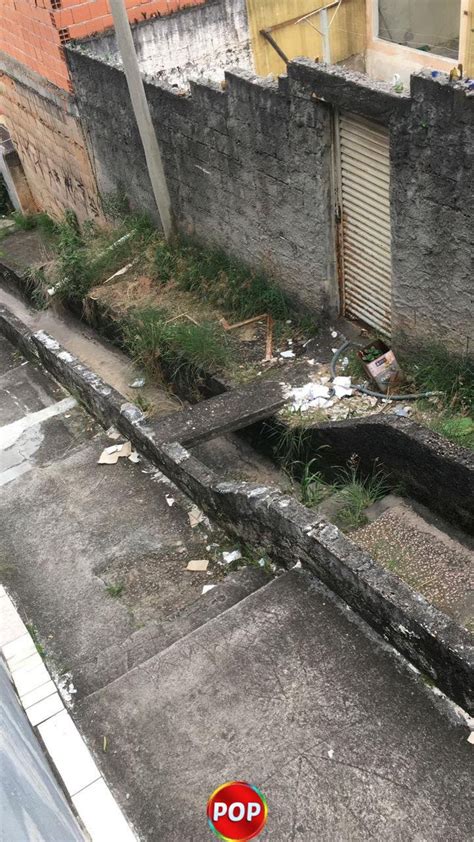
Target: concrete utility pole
{"type": "Point", "coordinates": [142, 114]}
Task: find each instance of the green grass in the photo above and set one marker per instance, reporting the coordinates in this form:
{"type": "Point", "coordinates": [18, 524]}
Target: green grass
{"type": "Point", "coordinates": [152, 340]}
{"type": "Point", "coordinates": [313, 487]}
{"type": "Point", "coordinates": [115, 590]}
{"type": "Point", "coordinates": [220, 280]}
{"type": "Point", "coordinates": [354, 491]}
{"type": "Point", "coordinates": [434, 368]}
{"type": "Point", "coordinates": [87, 256]}
{"type": "Point", "coordinates": [457, 428]}
{"type": "Point", "coordinates": [35, 637]}
{"type": "Point", "coordinates": [357, 493]}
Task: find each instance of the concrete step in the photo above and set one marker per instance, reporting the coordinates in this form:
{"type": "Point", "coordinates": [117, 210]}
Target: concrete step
{"type": "Point", "coordinates": [156, 636]}
{"type": "Point", "coordinates": [433, 557]}
{"type": "Point", "coordinates": [289, 691]}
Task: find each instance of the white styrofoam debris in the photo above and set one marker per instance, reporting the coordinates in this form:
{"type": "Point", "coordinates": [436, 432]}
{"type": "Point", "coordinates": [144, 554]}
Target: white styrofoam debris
{"type": "Point", "coordinates": [232, 556]}
{"type": "Point", "coordinates": [342, 387]}
{"type": "Point", "coordinates": [287, 355]}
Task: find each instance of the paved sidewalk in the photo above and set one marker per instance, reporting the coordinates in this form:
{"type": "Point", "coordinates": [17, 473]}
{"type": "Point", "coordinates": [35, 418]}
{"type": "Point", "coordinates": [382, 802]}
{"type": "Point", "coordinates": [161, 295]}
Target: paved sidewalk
{"type": "Point", "coordinates": [285, 688]}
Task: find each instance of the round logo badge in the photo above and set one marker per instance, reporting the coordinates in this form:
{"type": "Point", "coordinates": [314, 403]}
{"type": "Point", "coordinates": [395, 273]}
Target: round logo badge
{"type": "Point", "coordinates": [237, 811]}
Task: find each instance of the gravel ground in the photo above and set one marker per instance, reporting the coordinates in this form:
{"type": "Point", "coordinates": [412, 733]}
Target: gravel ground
{"type": "Point", "coordinates": [435, 565]}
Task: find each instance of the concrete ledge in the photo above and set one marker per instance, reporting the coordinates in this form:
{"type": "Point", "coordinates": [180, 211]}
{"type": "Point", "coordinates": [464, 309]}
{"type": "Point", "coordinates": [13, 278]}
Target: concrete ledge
{"type": "Point", "coordinates": [285, 528]}
{"type": "Point", "coordinates": [346, 89]}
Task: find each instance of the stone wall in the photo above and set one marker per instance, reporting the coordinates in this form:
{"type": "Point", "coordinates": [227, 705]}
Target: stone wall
{"type": "Point", "coordinates": [48, 137]}
{"type": "Point", "coordinates": [200, 41]}
{"type": "Point", "coordinates": [248, 168]}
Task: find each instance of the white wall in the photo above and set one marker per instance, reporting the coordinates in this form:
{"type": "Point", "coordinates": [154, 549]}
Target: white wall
{"type": "Point", "coordinates": [201, 41]}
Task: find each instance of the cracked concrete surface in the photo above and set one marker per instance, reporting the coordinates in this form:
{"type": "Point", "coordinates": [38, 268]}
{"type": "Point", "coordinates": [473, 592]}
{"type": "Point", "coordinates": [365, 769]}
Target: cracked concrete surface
{"type": "Point", "coordinates": [285, 688]}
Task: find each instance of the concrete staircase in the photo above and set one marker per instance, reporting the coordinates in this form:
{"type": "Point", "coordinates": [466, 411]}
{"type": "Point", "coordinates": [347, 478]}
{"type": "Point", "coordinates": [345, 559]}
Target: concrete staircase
{"type": "Point", "coordinates": [289, 690]}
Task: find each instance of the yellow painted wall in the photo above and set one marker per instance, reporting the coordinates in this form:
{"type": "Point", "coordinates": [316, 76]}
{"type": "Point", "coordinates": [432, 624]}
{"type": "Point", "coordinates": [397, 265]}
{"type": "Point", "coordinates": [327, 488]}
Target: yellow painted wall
{"type": "Point", "coordinates": [466, 46]}
{"type": "Point", "coordinates": [347, 33]}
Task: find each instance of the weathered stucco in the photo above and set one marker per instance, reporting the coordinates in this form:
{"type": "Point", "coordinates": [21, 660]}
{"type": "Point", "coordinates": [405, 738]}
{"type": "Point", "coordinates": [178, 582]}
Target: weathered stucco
{"type": "Point", "coordinates": [200, 41]}
{"type": "Point", "coordinates": [250, 169]}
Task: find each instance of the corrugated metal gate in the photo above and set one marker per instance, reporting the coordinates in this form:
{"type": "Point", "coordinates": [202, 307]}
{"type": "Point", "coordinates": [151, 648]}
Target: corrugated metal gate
{"type": "Point", "coordinates": [364, 187]}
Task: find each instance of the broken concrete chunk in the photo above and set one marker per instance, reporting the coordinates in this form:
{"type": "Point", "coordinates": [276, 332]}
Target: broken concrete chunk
{"type": "Point", "coordinates": [198, 565]}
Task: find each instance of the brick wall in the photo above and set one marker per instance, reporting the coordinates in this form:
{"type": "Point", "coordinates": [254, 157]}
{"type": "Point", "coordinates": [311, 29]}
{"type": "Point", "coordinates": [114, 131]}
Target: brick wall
{"type": "Point", "coordinates": [33, 31]}
{"type": "Point", "coordinates": [50, 143]}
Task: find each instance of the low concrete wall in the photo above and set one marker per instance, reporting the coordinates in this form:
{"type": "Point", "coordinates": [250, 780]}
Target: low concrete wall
{"type": "Point", "coordinates": [286, 529]}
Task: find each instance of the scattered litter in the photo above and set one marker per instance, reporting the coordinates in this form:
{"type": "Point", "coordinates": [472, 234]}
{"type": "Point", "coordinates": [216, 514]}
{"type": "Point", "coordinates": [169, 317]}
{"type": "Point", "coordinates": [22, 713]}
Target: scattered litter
{"type": "Point", "coordinates": [207, 588]}
{"type": "Point", "coordinates": [310, 362]}
{"type": "Point", "coordinates": [170, 500]}
{"type": "Point", "coordinates": [344, 362]}
{"type": "Point", "coordinates": [198, 565]}
{"type": "Point", "coordinates": [261, 562]}
{"type": "Point", "coordinates": [231, 556]}
{"type": "Point", "coordinates": [66, 688]}
{"type": "Point", "coordinates": [287, 355]}
{"type": "Point", "coordinates": [288, 321]}
{"type": "Point", "coordinates": [310, 396]}
{"type": "Point", "coordinates": [342, 387]}
{"type": "Point", "coordinates": [402, 411]}
{"type": "Point", "coordinates": [334, 334]}
{"type": "Point", "coordinates": [289, 342]}
{"type": "Point", "coordinates": [138, 383]}
{"type": "Point", "coordinates": [470, 738]}
{"type": "Point", "coordinates": [114, 452]}
{"type": "Point", "coordinates": [119, 272]}
{"type": "Point", "coordinates": [196, 516]}
{"type": "Point", "coordinates": [331, 753]}
{"type": "Point", "coordinates": [297, 565]}
{"type": "Point", "coordinates": [112, 433]}
{"type": "Point", "coordinates": [104, 744]}
{"type": "Point", "coordinates": [334, 350]}
{"type": "Point", "coordinates": [25, 363]}
{"type": "Point", "coordinates": [134, 456]}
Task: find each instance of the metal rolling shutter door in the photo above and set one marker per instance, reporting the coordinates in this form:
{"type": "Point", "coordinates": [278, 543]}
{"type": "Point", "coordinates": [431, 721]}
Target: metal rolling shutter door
{"type": "Point", "coordinates": [365, 188]}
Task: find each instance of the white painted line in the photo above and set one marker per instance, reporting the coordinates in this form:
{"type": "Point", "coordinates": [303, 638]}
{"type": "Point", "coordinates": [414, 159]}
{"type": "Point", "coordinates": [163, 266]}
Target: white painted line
{"type": "Point", "coordinates": [10, 433]}
{"type": "Point", "coordinates": [45, 709]}
{"type": "Point", "coordinates": [101, 814]}
{"type": "Point", "coordinates": [68, 752]}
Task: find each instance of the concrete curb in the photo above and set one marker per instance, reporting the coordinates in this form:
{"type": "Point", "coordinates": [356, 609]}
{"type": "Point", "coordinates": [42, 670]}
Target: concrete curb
{"type": "Point", "coordinates": [68, 753]}
{"type": "Point", "coordinates": [436, 644]}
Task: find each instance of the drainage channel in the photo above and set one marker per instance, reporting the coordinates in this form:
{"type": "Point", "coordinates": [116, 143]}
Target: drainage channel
{"type": "Point", "coordinates": [260, 514]}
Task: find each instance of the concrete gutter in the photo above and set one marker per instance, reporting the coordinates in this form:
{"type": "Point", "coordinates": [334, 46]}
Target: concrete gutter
{"type": "Point", "coordinates": [287, 530]}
